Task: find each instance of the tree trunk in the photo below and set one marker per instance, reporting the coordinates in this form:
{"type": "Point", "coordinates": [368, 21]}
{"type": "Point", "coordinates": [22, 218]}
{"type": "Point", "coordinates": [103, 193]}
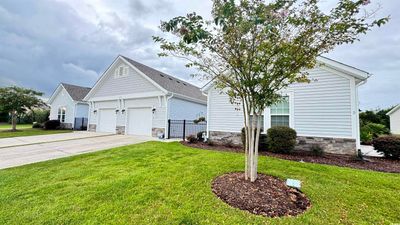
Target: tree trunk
{"type": "Point", "coordinates": [14, 121]}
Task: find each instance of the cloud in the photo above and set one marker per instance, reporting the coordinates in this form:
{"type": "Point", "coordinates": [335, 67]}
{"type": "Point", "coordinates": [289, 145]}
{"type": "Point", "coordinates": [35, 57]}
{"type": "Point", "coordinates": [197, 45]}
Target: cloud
{"type": "Point", "coordinates": [74, 41]}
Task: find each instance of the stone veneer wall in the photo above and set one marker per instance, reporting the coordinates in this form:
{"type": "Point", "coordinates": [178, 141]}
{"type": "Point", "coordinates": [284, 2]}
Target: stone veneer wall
{"type": "Point", "coordinates": [120, 130]}
{"type": "Point", "coordinates": [155, 131]}
{"type": "Point", "coordinates": [92, 127]}
{"type": "Point", "coordinates": [330, 145]}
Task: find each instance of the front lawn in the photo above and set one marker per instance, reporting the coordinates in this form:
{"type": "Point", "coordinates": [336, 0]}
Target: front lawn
{"type": "Point", "coordinates": [29, 132]}
{"type": "Point", "coordinates": [19, 126]}
{"type": "Point", "coordinates": [168, 183]}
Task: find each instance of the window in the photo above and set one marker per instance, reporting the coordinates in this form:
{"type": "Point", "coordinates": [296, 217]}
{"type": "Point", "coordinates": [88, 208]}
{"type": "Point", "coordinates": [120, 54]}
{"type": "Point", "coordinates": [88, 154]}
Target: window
{"type": "Point", "coordinates": [121, 71]}
{"type": "Point", "coordinates": [261, 118]}
{"type": "Point", "coordinates": [61, 114]}
{"type": "Point", "coordinates": [280, 113]}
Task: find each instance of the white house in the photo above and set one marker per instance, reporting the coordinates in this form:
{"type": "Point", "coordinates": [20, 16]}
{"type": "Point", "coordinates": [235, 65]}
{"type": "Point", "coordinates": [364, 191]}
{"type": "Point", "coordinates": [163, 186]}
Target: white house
{"type": "Point", "coordinates": [131, 98]}
{"type": "Point", "coordinates": [66, 104]}
{"type": "Point", "coordinates": [323, 112]}
{"type": "Point", "coordinates": [394, 115]}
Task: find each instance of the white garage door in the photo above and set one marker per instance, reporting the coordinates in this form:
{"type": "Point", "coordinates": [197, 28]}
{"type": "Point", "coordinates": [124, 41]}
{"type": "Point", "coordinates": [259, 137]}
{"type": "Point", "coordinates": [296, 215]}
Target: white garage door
{"type": "Point", "coordinates": [139, 121]}
{"type": "Point", "coordinates": [107, 121]}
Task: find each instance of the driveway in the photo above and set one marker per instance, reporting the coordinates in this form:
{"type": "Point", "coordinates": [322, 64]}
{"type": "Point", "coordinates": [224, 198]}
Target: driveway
{"type": "Point", "coordinates": [52, 148]}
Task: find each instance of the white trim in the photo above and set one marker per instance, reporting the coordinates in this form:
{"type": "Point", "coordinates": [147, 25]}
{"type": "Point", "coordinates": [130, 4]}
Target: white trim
{"type": "Point", "coordinates": [357, 73]}
{"type": "Point", "coordinates": [267, 112]}
{"type": "Point", "coordinates": [183, 97]}
{"type": "Point", "coordinates": [56, 92]}
{"type": "Point", "coordinates": [167, 114]}
{"type": "Point", "coordinates": [128, 96]}
{"type": "Point", "coordinates": [353, 108]}
{"type": "Point", "coordinates": [208, 117]}
{"type": "Point", "coordinates": [393, 110]}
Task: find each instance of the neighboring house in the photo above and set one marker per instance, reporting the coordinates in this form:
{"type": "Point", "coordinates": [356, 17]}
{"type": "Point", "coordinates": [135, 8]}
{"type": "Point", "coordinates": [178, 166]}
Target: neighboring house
{"type": "Point", "coordinates": [67, 105]}
{"type": "Point", "coordinates": [394, 115]}
{"type": "Point", "coordinates": [323, 112]}
{"type": "Point", "coordinates": [131, 98]}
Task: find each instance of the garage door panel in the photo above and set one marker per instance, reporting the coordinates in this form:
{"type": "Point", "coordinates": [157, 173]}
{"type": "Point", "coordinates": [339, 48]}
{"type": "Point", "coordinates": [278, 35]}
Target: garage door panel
{"type": "Point", "coordinates": [107, 121]}
{"type": "Point", "coordinates": [140, 121]}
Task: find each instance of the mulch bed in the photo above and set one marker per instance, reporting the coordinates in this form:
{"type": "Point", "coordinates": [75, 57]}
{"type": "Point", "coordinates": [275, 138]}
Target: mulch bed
{"type": "Point", "coordinates": [267, 196]}
{"type": "Point", "coordinates": [372, 163]}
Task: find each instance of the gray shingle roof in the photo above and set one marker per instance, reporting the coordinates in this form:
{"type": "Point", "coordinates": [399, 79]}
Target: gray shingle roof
{"type": "Point", "coordinates": [76, 92]}
{"type": "Point", "coordinates": [168, 82]}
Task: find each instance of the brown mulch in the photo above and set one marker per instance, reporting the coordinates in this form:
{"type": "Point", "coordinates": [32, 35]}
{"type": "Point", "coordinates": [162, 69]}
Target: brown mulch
{"type": "Point", "coordinates": [372, 163]}
{"type": "Point", "coordinates": [267, 196]}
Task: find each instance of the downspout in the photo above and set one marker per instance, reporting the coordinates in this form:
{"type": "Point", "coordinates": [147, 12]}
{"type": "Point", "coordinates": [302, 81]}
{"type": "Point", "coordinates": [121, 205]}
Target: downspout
{"type": "Point", "coordinates": [358, 141]}
{"type": "Point", "coordinates": [167, 114]}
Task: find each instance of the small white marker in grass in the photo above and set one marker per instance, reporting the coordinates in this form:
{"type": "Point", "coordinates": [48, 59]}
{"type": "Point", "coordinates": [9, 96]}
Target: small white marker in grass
{"type": "Point", "coordinates": [293, 183]}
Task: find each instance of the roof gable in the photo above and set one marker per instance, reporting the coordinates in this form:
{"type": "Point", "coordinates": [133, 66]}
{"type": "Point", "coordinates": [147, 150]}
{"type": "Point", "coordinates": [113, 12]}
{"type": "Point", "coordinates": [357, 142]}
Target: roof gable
{"type": "Point", "coordinates": [397, 107]}
{"type": "Point", "coordinates": [168, 82]}
{"type": "Point", "coordinates": [76, 92]}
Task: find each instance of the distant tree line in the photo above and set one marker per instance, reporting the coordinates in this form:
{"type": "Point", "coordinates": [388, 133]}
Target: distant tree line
{"type": "Point", "coordinates": [374, 123]}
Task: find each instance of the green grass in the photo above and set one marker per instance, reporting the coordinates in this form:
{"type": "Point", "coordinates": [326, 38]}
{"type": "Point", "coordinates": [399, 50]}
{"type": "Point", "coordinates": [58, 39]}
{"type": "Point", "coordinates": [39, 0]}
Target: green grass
{"type": "Point", "coordinates": [168, 183]}
{"type": "Point", "coordinates": [29, 132]}
{"type": "Point", "coordinates": [19, 126]}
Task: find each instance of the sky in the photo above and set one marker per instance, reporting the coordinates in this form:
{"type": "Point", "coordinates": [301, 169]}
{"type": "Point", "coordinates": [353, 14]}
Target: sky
{"type": "Point", "coordinates": [45, 42]}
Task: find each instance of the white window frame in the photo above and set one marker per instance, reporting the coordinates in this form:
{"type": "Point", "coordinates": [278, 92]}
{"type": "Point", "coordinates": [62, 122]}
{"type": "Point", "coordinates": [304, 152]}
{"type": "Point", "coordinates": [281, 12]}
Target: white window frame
{"type": "Point", "coordinates": [60, 114]}
{"type": "Point", "coordinates": [124, 69]}
{"type": "Point", "coordinates": [267, 113]}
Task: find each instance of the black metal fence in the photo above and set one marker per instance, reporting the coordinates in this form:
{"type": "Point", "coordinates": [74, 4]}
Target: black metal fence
{"type": "Point", "coordinates": [184, 128]}
{"type": "Point", "coordinates": [80, 123]}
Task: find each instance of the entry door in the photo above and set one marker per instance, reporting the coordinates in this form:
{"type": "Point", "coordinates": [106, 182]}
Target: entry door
{"type": "Point", "coordinates": [107, 121]}
{"type": "Point", "coordinates": [140, 121]}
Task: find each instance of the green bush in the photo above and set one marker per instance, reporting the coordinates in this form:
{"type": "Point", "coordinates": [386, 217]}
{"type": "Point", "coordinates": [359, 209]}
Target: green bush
{"type": "Point", "coordinates": [317, 150]}
{"type": "Point", "coordinates": [262, 144]}
{"type": "Point", "coordinates": [281, 139]}
{"type": "Point", "coordinates": [389, 145]}
{"type": "Point", "coordinates": [374, 130]}
{"type": "Point", "coordinates": [365, 136]}
{"type": "Point", "coordinates": [52, 125]}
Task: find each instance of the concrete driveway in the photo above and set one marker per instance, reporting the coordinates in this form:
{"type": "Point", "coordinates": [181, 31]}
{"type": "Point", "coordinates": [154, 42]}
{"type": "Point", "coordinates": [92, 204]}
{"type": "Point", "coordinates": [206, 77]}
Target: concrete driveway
{"type": "Point", "coordinates": [44, 147]}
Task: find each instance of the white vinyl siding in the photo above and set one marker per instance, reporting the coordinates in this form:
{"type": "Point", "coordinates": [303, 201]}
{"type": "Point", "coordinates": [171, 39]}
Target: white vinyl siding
{"type": "Point", "coordinates": [62, 99]}
{"type": "Point", "coordinates": [222, 116]}
{"type": "Point", "coordinates": [131, 83]}
{"type": "Point", "coordinates": [180, 109]}
{"type": "Point", "coordinates": [321, 108]}
{"type": "Point", "coordinates": [395, 122]}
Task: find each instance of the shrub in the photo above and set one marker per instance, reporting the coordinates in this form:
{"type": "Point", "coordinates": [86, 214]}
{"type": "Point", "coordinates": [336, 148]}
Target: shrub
{"type": "Point", "coordinates": [262, 144]}
{"type": "Point", "coordinates": [365, 136]}
{"type": "Point", "coordinates": [389, 145]}
{"type": "Point", "coordinates": [37, 125]}
{"type": "Point", "coordinates": [281, 139]}
{"type": "Point", "coordinates": [210, 142]}
{"type": "Point", "coordinates": [191, 139]}
{"type": "Point", "coordinates": [375, 129]}
{"type": "Point", "coordinates": [317, 150]}
{"type": "Point", "coordinates": [52, 124]}
{"type": "Point", "coordinates": [200, 136]}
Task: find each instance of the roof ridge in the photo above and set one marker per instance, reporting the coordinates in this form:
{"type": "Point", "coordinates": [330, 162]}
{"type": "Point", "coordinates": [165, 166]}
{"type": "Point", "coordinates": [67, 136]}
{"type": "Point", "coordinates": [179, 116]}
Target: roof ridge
{"type": "Point", "coordinates": [63, 83]}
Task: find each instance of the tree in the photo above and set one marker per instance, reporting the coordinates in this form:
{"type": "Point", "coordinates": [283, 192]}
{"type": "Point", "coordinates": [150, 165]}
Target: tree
{"type": "Point", "coordinates": [16, 100]}
{"type": "Point", "coordinates": [253, 50]}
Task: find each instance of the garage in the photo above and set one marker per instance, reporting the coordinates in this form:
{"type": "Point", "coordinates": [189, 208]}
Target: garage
{"type": "Point", "coordinates": [107, 121]}
{"type": "Point", "coordinates": [139, 121]}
